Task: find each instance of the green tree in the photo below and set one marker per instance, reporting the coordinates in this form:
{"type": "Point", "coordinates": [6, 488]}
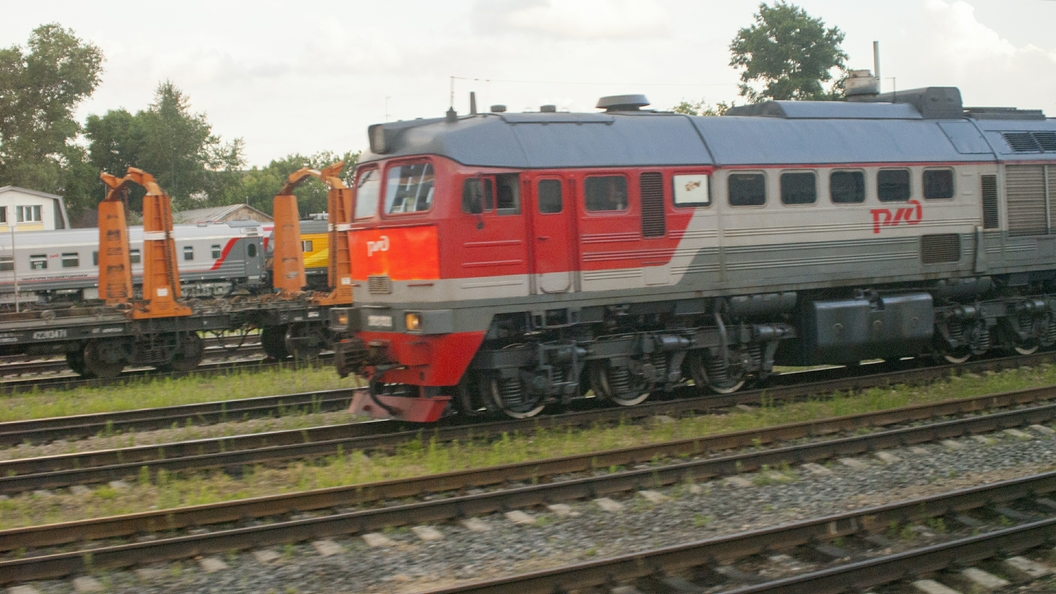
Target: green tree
{"type": "Point", "coordinates": [176, 146]}
{"type": "Point", "coordinates": [701, 108]}
{"type": "Point", "coordinates": [40, 88]}
{"type": "Point", "coordinates": [259, 186]}
{"type": "Point", "coordinates": [790, 53]}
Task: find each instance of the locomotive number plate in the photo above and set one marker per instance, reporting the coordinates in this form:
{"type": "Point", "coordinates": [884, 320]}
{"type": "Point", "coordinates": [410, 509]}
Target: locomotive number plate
{"type": "Point", "coordinates": [379, 321]}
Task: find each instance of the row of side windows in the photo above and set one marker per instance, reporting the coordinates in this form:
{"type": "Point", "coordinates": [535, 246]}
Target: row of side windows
{"type": "Point", "coordinates": [73, 259]}
{"type": "Point", "coordinates": [845, 187]}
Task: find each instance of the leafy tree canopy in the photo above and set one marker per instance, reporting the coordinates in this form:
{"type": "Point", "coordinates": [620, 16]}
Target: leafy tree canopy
{"type": "Point", "coordinates": [40, 87]}
{"type": "Point", "coordinates": [173, 144]}
{"type": "Point", "coordinates": [702, 108]}
{"type": "Point", "coordinates": [789, 53]}
{"type": "Point", "coordinates": [259, 186]}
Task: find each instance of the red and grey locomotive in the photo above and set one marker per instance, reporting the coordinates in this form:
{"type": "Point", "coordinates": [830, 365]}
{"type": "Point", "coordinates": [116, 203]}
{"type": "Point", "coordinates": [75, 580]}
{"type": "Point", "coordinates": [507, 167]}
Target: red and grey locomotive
{"type": "Point", "coordinates": [506, 261]}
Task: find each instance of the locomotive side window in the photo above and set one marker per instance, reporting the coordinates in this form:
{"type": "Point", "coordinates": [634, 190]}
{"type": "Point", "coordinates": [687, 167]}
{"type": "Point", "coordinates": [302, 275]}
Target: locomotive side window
{"type": "Point", "coordinates": [799, 188]}
{"type": "Point", "coordinates": [251, 250]}
{"type": "Point", "coordinates": [7, 263]}
{"type": "Point", "coordinates": [691, 190]}
{"type": "Point", "coordinates": [892, 185]}
{"type": "Point", "coordinates": [367, 191]}
{"type": "Point", "coordinates": [477, 195]}
{"type": "Point", "coordinates": [38, 262]}
{"type": "Point", "coordinates": [746, 189]}
{"type": "Point", "coordinates": [938, 183]}
{"type": "Point", "coordinates": [71, 260]}
{"type": "Point", "coordinates": [133, 256]}
{"type": "Point", "coordinates": [548, 195]}
{"type": "Point", "coordinates": [847, 187]}
{"type": "Point", "coordinates": [215, 251]}
{"type": "Point", "coordinates": [188, 252]}
{"type": "Point", "coordinates": [409, 188]}
{"type": "Point", "coordinates": [606, 193]}
{"type": "Point", "coordinates": [508, 199]}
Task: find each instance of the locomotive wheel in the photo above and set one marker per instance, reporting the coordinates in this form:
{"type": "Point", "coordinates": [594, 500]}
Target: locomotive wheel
{"type": "Point", "coordinates": [103, 360]}
{"type": "Point", "coordinates": [698, 369]}
{"type": "Point", "coordinates": [957, 356]}
{"type": "Point", "coordinates": [303, 341]}
{"type": "Point", "coordinates": [1027, 348]}
{"type": "Point", "coordinates": [607, 382]}
{"type": "Point", "coordinates": [273, 342]}
{"type": "Point", "coordinates": [468, 398]}
{"type": "Point", "coordinates": [190, 355]}
{"type": "Point", "coordinates": [75, 361]}
{"type": "Point", "coordinates": [506, 391]}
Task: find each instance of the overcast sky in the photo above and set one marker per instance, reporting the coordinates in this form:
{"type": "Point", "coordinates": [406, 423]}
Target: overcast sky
{"type": "Point", "coordinates": [308, 76]}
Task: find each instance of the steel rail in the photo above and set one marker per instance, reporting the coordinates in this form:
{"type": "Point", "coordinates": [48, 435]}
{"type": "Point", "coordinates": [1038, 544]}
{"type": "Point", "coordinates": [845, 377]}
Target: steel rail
{"type": "Point", "coordinates": [41, 366]}
{"type": "Point", "coordinates": [579, 576]}
{"type": "Point", "coordinates": [893, 568]}
{"type": "Point", "coordinates": [27, 474]}
{"type": "Point", "coordinates": [539, 494]}
{"type": "Point", "coordinates": [79, 426]}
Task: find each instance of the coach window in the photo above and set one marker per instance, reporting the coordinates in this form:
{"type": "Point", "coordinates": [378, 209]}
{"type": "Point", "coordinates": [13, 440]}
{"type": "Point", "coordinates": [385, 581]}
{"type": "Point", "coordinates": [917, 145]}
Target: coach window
{"type": "Point", "coordinates": [478, 195]}
{"type": "Point", "coordinates": [368, 188]}
{"type": "Point", "coordinates": [938, 183]}
{"type": "Point", "coordinates": [95, 258]}
{"type": "Point", "coordinates": [7, 263]}
{"type": "Point", "coordinates": [133, 257]}
{"type": "Point", "coordinates": [548, 195]}
{"type": "Point", "coordinates": [409, 188]}
{"type": "Point", "coordinates": [799, 187]}
{"type": "Point", "coordinates": [188, 252]}
{"type": "Point", "coordinates": [847, 187]}
{"type": "Point", "coordinates": [892, 185]}
{"type": "Point", "coordinates": [746, 189]}
{"type": "Point", "coordinates": [691, 190]}
{"type": "Point", "coordinates": [307, 246]}
{"type": "Point", "coordinates": [215, 250]}
{"type": "Point", "coordinates": [71, 260]}
{"type": "Point", "coordinates": [606, 193]}
{"type": "Point", "coordinates": [38, 261]}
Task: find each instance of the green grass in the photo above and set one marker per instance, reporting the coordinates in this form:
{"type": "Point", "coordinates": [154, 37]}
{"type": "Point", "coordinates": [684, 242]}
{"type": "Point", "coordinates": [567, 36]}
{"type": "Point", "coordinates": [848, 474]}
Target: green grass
{"type": "Point", "coordinates": [157, 392]}
{"type": "Point", "coordinates": [425, 456]}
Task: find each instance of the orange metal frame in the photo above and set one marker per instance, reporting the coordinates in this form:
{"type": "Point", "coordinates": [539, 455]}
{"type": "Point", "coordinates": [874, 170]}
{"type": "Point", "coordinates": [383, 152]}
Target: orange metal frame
{"type": "Point", "coordinates": [161, 282]}
{"type": "Point", "coordinates": [288, 259]}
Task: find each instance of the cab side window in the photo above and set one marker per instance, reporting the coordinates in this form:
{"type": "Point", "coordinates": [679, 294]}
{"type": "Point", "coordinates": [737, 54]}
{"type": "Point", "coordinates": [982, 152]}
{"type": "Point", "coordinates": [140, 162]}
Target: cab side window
{"type": "Point", "coordinates": [477, 195]}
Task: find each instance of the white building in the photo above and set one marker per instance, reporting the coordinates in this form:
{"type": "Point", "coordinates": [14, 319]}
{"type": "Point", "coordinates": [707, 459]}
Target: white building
{"type": "Point", "coordinates": [29, 210]}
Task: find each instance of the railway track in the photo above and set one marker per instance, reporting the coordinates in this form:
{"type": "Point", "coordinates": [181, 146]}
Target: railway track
{"type": "Point", "coordinates": [857, 563]}
{"type": "Point", "coordinates": [354, 510]}
{"type": "Point", "coordinates": [232, 453]}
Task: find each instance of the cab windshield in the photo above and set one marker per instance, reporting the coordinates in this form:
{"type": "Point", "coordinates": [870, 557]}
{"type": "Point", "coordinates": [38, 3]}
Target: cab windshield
{"type": "Point", "coordinates": [409, 188]}
{"type": "Point", "coordinates": [367, 190]}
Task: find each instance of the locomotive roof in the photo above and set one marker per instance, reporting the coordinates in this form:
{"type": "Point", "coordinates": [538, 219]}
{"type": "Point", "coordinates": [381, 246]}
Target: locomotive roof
{"type": "Point", "coordinates": [778, 132]}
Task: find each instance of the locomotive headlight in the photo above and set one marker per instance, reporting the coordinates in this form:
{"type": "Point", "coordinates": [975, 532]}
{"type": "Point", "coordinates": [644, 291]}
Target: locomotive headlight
{"type": "Point", "coordinates": [339, 319]}
{"type": "Point", "coordinates": [413, 321]}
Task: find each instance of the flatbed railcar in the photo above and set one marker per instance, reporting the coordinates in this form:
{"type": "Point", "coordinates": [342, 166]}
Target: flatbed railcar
{"type": "Point", "coordinates": [506, 261]}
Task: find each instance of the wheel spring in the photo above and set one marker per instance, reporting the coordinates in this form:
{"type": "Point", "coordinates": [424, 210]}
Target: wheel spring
{"type": "Point", "coordinates": [1049, 336]}
{"type": "Point", "coordinates": [717, 370]}
{"type": "Point", "coordinates": [1026, 323]}
{"type": "Point", "coordinates": [755, 351]}
{"type": "Point", "coordinates": [956, 329]}
{"type": "Point", "coordinates": [511, 392]}
{"type": "Point", "coordinates": [981, 344]}
{"type": "Point", "coordinates": [619, 380]}
{"type": "Point", "coordinates": [659, 361]}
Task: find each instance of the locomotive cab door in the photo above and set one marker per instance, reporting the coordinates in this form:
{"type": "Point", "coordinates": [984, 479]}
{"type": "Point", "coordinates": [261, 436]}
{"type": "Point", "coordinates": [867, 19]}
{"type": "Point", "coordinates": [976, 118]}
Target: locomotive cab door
{"type": "Point", "coordinates": [553, 248]}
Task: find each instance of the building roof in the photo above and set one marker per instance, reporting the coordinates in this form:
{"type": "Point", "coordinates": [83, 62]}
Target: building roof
{"type": "Point", "coordinates": [218, 214]}
{"type": "Point", "coordinates": [62, 203]}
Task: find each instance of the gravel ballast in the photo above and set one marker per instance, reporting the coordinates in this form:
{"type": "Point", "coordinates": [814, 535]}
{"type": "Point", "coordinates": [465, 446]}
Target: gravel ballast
{"type": "Point", "coordinates": [584, 530]}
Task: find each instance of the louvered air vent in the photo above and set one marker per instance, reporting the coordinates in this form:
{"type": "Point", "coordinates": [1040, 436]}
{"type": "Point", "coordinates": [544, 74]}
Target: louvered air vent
{"type": "Point", "coordinates": [1047, 140]}
{"type": "Point", "coordinates": [1025, 196]}
{"type": "Point", "coordinates": [379, 285]}
{"type": "Point", "coordinates": [935, 249]}
{"type": "Point", "coordinates": [1022, 142]}
{"type": "Point", "coordinates": [651, 189]}
{"type": "Point", "coordinates": [990, 212]}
